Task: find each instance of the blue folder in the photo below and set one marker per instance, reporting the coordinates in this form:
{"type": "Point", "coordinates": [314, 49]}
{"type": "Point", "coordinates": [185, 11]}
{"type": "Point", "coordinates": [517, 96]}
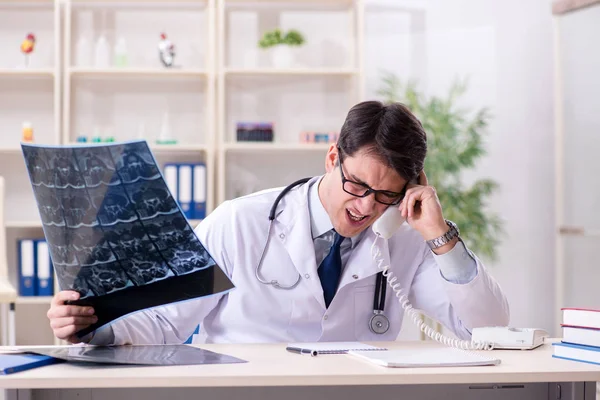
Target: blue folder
{"type": "Point", "coordinates": [11, 363]}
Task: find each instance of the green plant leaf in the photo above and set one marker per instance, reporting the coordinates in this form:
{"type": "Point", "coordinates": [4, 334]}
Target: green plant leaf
{"type": "Point", "coordinates": [276, 37]}
{"type": "Point", "coordinates": [455, 144]}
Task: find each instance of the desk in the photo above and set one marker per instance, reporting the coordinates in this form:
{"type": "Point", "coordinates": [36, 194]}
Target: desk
{"type": "Point", "coordinates": [272, 371]}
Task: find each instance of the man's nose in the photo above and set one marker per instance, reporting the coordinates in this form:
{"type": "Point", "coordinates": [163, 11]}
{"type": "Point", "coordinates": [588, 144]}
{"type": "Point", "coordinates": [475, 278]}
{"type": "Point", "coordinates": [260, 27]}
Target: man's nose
{"type": "Point", "coordinates": [366, 204]}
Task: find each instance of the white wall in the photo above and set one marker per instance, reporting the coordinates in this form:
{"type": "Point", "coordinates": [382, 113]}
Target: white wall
{"type": "Point", "coordinates": [506, 50]}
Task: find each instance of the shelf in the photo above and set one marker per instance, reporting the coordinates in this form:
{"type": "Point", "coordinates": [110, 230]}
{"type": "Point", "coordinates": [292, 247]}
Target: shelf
{"type": "Point", "coordinates": [11, 150]}
{"type": "Point", "coordinates": [295, 2]}
{"type": "Point", "coordinates": [269, 146]}
{"type": "Point", "coordinates": [34, 299]}
{"type": "Point", "coordinates": [145, 4]}
{"type": "Point", "coordinates": [291, 71]}
{"type": "Point", "coordinates": [27, 72]}
{"type": "Point", "coordinates": [23, 224]}
{"type": "Point", "coordinates": [21, 4]}
{"type": "Point", "coordinates": [136, 72]}
{"type": "Point", "coordinates": [289, 4]}
{"type": "Point", "coordinates": [155, 148]}
{"type": "Point", "coordinates": [578, 231]}
{"type": "Point", "coordinates": [178, 148]}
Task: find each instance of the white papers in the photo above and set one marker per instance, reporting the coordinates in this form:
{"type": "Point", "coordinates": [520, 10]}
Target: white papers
{"type": "Point", "coordinates": [419, 357]}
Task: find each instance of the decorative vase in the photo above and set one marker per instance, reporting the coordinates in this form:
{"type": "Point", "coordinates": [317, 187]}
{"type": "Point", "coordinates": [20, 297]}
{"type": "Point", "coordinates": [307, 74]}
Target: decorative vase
{"type": "Point", "coordinates": [282, 56]}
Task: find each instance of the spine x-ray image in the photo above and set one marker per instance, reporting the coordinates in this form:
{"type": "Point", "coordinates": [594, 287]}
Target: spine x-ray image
{"type": "Point", "coordinates": [115, 233]}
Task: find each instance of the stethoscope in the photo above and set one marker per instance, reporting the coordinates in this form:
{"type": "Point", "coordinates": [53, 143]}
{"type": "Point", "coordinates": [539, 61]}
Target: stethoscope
{"type": "Point", "coordinates": [378, 323]}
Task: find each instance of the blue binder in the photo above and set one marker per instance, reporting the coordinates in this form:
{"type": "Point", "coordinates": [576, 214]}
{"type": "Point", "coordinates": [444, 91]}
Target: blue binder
{"type": "Point", "coordinates": [11, 363]}
{"type": "Point", "coordinates": [170, 173]}
{"type": "Point", "coordinates": [185, 189]}
{"type": "Point", "coordinates": [45, 272]}
{"type": "Point", "coordinates": [27, 267]}
{"type": "Point", "coordinates": [199, 189]}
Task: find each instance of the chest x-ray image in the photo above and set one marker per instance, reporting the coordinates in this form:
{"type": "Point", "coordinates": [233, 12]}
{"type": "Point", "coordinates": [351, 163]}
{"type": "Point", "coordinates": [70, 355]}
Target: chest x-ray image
{"type": "Point", "coordinates": [115, 233]}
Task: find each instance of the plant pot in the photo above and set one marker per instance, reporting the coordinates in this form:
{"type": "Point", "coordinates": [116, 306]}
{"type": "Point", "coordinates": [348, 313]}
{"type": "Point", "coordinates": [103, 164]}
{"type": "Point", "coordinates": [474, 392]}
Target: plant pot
{"type": "Point", "coordinates": [282, 56]}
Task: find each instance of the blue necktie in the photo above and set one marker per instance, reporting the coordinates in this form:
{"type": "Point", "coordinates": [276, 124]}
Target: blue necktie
{"type": "Point", "coordinates": [331, 269]}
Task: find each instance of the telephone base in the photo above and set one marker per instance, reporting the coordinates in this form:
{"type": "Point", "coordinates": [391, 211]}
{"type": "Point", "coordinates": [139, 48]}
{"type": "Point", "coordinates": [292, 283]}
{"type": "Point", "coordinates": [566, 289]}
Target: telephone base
{"type": "Point", "coordinates": [507, 338]}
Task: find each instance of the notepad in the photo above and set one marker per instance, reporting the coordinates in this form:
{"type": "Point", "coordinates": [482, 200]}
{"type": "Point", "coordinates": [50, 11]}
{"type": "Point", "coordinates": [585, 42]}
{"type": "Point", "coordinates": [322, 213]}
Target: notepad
{"type": "Point", "coordinates": [417, 358]}
{"type": "Point", "coordinates": [332, 347]}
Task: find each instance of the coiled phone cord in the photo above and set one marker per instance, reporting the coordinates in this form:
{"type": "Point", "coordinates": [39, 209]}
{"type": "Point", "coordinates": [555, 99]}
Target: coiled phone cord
{"type": "Point", "coordinates": [413, 314]}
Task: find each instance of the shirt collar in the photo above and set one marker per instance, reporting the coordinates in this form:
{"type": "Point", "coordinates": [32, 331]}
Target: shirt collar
{"type": "Point", "coordinates": [320, 222]}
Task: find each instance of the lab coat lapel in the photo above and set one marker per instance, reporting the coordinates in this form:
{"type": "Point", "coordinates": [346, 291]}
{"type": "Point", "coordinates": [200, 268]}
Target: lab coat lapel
{"type": "Point", "coordinates": [361, 265]}
{"type": "Point", "coordinates": [294, 231]}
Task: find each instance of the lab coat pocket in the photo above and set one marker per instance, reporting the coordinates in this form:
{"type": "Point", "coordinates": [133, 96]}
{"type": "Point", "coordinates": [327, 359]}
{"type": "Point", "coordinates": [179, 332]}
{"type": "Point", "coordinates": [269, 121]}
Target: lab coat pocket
{"type": "Point", "coordinates": [305, 320]}
{"type": "Point", "coordinates": [363, 311]}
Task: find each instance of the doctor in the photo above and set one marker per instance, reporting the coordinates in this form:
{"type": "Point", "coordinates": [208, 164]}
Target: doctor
{"type": "Point", "coordinates": [316, 279]}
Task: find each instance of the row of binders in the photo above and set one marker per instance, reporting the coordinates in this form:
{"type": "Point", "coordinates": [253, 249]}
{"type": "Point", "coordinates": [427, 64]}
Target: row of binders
{"type": "Point", "coordinates": [187, 183]}
{"type": "Point", "coordinates": [36, 273]}
{"type": "Point", "coordinates": [581, 336]}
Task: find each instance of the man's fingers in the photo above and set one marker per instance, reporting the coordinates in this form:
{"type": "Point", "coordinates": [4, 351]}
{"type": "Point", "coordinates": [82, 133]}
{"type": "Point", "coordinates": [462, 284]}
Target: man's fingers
{"type": "Point", "coordinates": [61, 297]}
{"type": "Point", "coordinates": [412, 197]}
{"type": "Point", "coordinates": [68, 333]}
{"type": "Point", "coordinates": [69, 311]}
{"type": "Point", "coordinates": [58, 323]}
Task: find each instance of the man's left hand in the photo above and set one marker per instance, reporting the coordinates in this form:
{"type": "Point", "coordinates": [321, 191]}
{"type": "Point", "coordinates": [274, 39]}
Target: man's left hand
{"type": "Point", "coordinates": [423, 212]}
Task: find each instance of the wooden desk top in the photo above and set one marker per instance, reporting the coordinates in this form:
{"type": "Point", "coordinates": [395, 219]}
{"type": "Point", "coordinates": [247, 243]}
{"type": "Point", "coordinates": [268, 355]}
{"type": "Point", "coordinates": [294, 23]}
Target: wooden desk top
{"type": "Point", "coordinates": [272, 365]}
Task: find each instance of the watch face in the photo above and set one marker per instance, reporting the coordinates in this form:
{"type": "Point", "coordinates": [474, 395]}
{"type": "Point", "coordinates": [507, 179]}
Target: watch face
{"type": "Point", "coordinates": [452, 225]}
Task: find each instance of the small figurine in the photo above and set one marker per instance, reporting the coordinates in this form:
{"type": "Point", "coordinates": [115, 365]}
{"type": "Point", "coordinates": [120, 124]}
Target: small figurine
{"type": "Point", "coordinates": [27, 47]}
{"type": "Point", "coordinates": [27, 131]}
{"type": "Point", "coordinates": [166, 50]}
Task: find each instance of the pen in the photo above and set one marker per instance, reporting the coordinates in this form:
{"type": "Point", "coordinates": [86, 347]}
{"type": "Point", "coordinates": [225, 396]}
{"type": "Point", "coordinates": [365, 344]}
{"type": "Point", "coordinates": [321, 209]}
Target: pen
{"type": "Point", "coordinates": [301, 351]}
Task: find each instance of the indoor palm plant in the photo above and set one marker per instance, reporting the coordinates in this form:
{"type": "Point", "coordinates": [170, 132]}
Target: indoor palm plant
{"type": "Point", "coordinates": [455, 143]}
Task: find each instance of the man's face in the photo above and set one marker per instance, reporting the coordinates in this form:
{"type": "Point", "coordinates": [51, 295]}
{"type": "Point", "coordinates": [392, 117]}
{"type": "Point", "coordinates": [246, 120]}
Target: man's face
{"type": "Point", "coordinates": [349, 214]}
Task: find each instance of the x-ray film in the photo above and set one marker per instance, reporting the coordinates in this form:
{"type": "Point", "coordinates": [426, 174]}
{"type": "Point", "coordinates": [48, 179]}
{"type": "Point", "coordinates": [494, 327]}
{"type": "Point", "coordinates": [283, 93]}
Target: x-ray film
{"type": "Point", "coordinates": [179, 354]}
{"type": "Point", "coordinates": [115, 233]}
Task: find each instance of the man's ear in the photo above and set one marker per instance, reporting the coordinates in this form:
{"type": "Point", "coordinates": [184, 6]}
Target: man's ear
{"type": "Point", "coordinates": [331, 159]}
{"type": "Point", "coordinates": [422, 179]}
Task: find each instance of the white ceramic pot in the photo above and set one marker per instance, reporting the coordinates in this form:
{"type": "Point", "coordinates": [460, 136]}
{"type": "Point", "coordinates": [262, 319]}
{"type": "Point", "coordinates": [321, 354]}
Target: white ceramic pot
{"type": "Point", "coordinates": [282, 56]}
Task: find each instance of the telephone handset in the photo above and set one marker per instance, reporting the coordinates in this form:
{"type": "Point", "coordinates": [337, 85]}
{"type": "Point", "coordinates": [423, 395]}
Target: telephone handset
{"type": "Point", "coordinates": [487, 338]}
{"type": "Point", "coordinates": [389, 222]}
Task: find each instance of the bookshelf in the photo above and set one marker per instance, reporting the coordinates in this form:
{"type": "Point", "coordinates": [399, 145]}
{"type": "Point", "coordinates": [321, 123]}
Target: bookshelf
{"type": "Point", "coordinates": [30, 90]}
{"type": "Point", "coordinates": [142, 98]}
{"type": "Point", "coordinates": [324, 79]}
{"type": "Point", "coordinates": [220, 77]}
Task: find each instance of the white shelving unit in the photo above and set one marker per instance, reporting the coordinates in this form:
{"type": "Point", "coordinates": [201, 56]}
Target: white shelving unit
{"type": "Point", "coordinates": [324, 81]}
{"type": "Point", "coordinates": [121, 101]}
{"type": "Point", "coordinates": [29, 91]}
{"type": "Point", "coordinates": [220, 77]}
{"type": "Point", "coordinates": [577, 193]}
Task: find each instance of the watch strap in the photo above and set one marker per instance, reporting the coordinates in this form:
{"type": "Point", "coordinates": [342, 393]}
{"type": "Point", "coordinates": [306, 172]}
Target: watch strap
{"type": "Point", "coordinates": [446, 237]}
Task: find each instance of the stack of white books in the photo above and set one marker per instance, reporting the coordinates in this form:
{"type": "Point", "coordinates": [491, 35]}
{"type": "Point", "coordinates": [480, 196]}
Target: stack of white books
{"type": "Point", "coordinates": [581, 336]}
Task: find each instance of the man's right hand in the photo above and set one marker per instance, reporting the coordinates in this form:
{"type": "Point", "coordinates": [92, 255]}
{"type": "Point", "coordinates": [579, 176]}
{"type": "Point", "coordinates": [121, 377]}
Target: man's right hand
{"type": "Point", "coordinates": [67, 320]}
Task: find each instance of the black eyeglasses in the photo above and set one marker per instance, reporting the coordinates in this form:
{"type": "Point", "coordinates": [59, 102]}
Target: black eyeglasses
{"type": "Point", "coordinates": [363, 190]}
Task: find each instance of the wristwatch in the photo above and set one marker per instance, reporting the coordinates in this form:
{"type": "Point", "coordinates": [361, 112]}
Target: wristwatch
{"type": "Point", "coordinates": [446, 237]}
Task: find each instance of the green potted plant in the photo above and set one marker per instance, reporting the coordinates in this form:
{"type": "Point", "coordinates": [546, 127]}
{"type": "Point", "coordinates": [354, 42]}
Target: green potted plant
{"type": "Point", "coordinates": [281, 45]}
{"type": "Point", "coordinates": [455, 143]}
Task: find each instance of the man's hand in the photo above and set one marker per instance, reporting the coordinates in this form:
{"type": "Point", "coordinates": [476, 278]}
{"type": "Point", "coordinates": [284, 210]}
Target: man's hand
{"type": "Point", "coordinates": [67, 320]}
{"type": "Point", "coordinates": [423, 212]}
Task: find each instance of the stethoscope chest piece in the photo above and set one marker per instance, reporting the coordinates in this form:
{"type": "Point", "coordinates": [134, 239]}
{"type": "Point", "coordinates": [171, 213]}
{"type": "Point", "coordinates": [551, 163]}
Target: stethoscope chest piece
{"type": "Point", "coordinates": [379, 323]}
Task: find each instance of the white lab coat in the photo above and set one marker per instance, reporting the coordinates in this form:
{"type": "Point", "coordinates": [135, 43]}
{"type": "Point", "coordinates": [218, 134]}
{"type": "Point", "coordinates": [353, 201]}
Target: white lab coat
{"type": "Point", "coordinates": [235, 234]}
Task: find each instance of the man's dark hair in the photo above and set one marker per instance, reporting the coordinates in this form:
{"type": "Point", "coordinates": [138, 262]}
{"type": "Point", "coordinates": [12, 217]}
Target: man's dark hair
{"type": "Point", "coordinates": [390, 132]}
